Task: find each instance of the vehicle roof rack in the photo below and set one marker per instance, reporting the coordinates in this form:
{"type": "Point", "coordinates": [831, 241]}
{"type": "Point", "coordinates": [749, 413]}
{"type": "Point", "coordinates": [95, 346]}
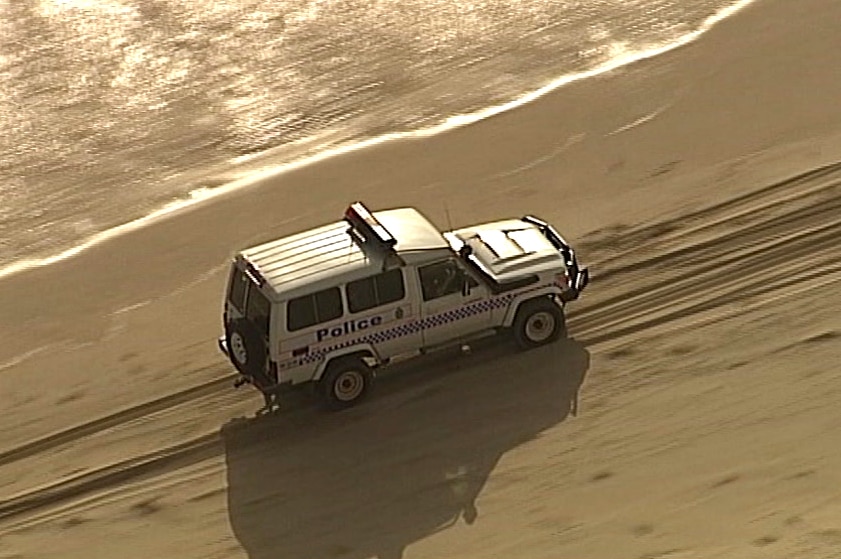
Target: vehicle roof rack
{"type": "Point", "coordinates": [368, 232]}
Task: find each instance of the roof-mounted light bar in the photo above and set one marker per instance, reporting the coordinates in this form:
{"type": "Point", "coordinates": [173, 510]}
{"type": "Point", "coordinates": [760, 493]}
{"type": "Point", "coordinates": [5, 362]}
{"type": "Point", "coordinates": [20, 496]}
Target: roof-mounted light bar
{"type": "Point", "coordinates": [366, 226]}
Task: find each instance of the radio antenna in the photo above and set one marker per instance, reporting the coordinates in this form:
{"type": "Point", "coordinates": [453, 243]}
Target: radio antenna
{"type": "Point", "coordinates": [447, 213]}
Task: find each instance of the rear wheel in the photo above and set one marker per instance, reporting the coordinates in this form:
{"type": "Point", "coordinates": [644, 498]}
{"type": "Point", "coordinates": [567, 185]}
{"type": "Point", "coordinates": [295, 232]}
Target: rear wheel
{"type": "Point", "coordinates": [538, 322]}
{"type": "Point", "coordinates": [345, 383]}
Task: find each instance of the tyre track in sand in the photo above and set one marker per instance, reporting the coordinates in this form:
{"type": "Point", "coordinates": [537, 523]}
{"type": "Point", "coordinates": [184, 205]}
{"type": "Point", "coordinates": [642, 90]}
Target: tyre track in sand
{"type": "Point", "coordinates": [696, 252]}
{"type": "Point", "coordinates": [776, 238]}
{"type": "Point", "coordinates": [771, 240]}
{"type": "Point", "coordinates": [121, 417]}
{"type": "Point", "coordinates": [782, 199]}
{"type": "Point", "coordinates": [765, 268]}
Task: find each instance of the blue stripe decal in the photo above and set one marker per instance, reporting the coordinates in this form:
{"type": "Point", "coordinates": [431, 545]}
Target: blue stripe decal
{"type": "Point", "coordinates": [415, 326]}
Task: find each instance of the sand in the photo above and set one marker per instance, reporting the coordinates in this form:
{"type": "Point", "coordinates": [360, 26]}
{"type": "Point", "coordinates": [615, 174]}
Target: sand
{"type": "Point", "coordinates": [692, 414]}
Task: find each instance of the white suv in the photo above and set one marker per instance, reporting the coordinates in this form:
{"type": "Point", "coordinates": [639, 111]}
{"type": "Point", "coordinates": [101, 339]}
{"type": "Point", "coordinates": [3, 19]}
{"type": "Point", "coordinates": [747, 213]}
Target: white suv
{"type": "Point", "coordinates": [330, 305]}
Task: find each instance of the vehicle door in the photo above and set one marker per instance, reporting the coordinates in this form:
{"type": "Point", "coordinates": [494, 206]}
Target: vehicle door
{"type": "Point", "coordinates": [453, 303]}
{"type": "Point", "coordinates": [247, 321]}
{"type": "Point", "coordinates": [381, 311]}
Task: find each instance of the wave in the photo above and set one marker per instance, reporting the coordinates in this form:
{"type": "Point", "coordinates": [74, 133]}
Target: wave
{"type": "Point", "coordinates": [622, 57]}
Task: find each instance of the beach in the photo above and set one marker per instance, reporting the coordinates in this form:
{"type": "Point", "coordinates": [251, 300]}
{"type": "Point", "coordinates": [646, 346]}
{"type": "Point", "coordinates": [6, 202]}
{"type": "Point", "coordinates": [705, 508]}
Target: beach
{"type": "Point", "coordinates": [701, 186]}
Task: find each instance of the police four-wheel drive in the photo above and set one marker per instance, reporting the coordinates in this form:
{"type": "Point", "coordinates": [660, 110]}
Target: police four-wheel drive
{"type": "Point", "coordinates": [330, 305]}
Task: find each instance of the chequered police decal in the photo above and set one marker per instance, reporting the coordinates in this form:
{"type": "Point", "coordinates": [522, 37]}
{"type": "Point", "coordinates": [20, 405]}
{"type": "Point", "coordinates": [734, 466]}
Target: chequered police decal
{"type": "Point", "coordinates": [408, 328]}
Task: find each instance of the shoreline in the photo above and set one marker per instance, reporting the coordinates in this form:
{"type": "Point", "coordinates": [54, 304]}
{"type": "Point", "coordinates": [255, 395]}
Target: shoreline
{"type": "Point", "coordinates": [571, 156]}
{"type": "Point", "coordinates": [204, 195]}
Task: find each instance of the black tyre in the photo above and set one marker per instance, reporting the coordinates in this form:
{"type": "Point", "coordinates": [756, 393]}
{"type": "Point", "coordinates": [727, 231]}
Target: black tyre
{"type": "Point", "coordinates": [247, 350]}
{"type": "Point", "coordinates": [538, 322]}
{"type": "Point", "coordinates": [345, 383]}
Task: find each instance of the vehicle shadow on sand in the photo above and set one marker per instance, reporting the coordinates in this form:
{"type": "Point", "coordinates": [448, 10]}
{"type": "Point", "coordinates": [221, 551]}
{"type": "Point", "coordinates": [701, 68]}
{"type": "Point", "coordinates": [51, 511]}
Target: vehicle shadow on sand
{"type": "Point", "coordinates": [409, 462]}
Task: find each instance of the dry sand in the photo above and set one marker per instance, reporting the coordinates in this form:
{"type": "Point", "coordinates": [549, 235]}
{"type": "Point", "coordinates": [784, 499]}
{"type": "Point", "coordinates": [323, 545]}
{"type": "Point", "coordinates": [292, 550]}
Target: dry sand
{"type": "Point", "coordinates": [702, 186]}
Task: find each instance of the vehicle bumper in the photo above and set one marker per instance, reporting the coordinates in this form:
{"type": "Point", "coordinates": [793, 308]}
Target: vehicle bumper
{"type": "Point", "coordinates": [578, 282]}
{"type": "Point", "coordinates": [223, 346]}
{"type": "Point", "coordinates": [579, 277]}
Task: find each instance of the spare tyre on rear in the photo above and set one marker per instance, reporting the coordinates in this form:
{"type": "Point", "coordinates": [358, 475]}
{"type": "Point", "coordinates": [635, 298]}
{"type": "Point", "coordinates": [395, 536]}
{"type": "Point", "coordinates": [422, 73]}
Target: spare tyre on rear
{"type": "Point", "coordinates": [247, 350]}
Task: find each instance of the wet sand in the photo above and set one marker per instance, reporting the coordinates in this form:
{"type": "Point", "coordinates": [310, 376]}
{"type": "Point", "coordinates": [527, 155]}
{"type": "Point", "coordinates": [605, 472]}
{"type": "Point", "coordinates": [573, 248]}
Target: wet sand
{"type": "Point", "coordinates": [700, 187]}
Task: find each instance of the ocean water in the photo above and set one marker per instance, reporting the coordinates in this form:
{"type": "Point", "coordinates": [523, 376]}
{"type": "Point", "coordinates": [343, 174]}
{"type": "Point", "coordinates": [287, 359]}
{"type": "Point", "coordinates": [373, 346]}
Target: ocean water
{"type": "Point", "coordinates": [111, 110]}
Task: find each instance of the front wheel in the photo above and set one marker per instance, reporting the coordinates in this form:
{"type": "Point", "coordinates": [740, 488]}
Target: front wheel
{"type": "Point", "coordinates": [538, 322]}
{"type": "Point", "coordinates": [345, 383]}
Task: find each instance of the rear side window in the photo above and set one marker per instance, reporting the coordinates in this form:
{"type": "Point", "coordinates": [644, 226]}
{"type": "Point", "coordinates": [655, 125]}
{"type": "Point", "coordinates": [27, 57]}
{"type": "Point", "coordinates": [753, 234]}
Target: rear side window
{"type": "Point", "coordinates": [237, 288]}
{"type": "Point", "coordinates": [375, 291]}
{"type": "Point", "coordinates": [313, 309]}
